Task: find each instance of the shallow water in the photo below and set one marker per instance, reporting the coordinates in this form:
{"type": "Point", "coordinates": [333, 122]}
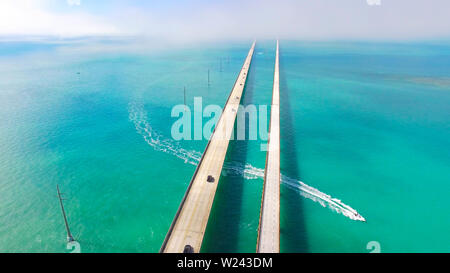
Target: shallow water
{"type": "Point", "coordinates": [364, 123]}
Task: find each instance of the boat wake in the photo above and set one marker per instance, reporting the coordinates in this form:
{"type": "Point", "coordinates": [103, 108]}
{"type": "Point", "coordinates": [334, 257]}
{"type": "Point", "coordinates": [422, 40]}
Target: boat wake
{"type": "Point", "coordinates": [157, 141]}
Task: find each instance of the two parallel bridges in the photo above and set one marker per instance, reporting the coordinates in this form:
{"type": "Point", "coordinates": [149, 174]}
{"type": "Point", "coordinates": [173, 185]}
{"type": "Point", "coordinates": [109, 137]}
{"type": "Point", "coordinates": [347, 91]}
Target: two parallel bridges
{"type": "Point", "coordinates": [187, 230]}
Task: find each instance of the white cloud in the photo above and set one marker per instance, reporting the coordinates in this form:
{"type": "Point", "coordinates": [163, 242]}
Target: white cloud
{"type": "Point", "coordinates": [74, 2]}
{"type": "Point", "coordinates": [292, 19]}
{"type": "Point", "coordinates": [31, 17]}
{"type": "Point", "coordinates": [210, 20]}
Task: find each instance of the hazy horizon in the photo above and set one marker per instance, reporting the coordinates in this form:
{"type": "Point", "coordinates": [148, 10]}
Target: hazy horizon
{"type": "Point", "coordinates": [195, 20]}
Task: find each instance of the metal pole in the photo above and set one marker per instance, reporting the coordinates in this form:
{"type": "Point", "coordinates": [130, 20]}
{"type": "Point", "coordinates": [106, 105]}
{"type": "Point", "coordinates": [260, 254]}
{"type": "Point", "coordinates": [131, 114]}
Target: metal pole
{"type": "Point", "coordinates": [69, 235]}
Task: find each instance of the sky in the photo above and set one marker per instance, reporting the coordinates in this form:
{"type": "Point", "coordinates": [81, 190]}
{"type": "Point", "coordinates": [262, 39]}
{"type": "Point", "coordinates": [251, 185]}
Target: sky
{"type": "Point", "coordinates": [183, 20]}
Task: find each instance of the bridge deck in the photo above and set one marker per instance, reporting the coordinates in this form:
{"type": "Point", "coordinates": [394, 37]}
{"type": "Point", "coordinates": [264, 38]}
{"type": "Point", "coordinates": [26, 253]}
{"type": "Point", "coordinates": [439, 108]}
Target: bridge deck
{"type": "Point", "coordinates": [269, 223]}
{"type": "Point", "coordinates": [188, 227]}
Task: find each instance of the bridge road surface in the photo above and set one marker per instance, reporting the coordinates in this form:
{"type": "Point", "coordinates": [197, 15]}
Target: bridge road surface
{"type": "Point", "coordinates": [269, 222]}
{"type": "Point", "coordinates": [189, 224]}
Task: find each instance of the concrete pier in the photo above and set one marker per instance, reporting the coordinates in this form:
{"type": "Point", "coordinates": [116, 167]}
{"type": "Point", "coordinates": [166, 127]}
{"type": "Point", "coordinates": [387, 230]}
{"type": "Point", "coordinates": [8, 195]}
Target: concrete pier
{"type": "Point", "coordinates": [188, 227]}
{"type": "Point", "coordinates": [269, 222]}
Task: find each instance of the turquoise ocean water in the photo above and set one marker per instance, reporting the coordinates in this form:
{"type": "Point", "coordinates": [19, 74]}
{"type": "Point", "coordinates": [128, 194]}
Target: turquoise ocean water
{"type": "Point", "coordinates": [366, 123]}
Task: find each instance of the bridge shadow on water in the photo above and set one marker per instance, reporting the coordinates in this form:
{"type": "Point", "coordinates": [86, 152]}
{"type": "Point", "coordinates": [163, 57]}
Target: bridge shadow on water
{"type": "Point", "coordinates": [222, 232]}
{"type": "Point", "coordinates": [293, 235]}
